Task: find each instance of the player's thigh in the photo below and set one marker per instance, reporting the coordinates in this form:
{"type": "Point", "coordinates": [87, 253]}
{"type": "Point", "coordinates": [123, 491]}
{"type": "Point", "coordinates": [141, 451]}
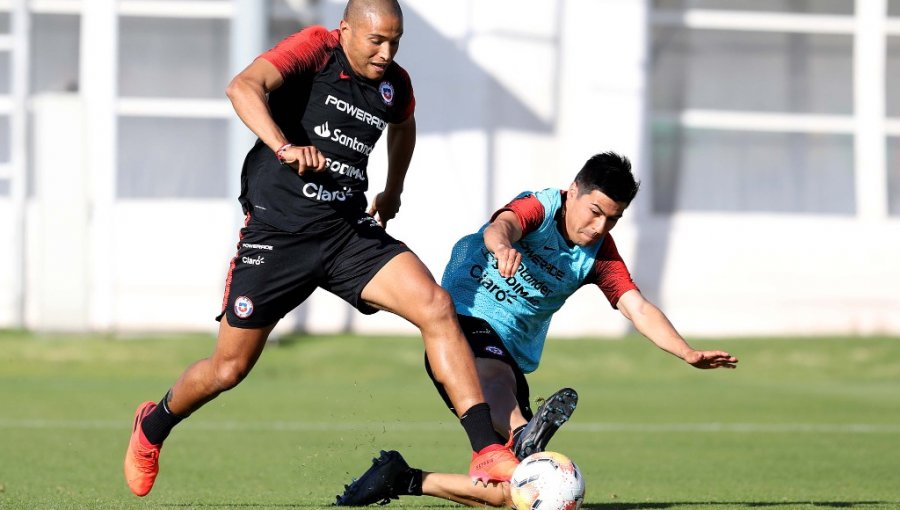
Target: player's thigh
{"type": "Point", "coordinates": [356, 254]}
{"type": "Point", "coordinates": [404, 286]}
{"type": "Point", "coordinates": [496, 369]}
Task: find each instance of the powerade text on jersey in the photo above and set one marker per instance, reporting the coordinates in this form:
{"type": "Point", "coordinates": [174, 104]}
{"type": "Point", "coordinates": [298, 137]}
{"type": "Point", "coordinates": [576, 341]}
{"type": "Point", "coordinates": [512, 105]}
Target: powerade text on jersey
{"type": "Point", "coordinates": [323, 103]}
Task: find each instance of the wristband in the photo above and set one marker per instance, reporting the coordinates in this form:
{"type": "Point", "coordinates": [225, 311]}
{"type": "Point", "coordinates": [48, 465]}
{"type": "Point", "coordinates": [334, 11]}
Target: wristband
{"type": "Point", "coordinates": [279, 154]}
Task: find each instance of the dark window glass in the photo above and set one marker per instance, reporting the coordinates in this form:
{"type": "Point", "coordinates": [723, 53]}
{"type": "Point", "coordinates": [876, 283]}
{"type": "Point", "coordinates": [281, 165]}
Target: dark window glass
{"type": "Point", "coordinates": [176, 58]}
{"type": "Point", "coordinates": [793, 6]}
{"type": "Point", "coordinates": [172, 158]}
{"type": "Point", "coordinates": [54, 52]}
{"type": "Point", "coordinates": [707, 170]}
{"type": "Point", "coordinates": [893, 164]}
{"type": "Point", "coordinates": [751, 71]}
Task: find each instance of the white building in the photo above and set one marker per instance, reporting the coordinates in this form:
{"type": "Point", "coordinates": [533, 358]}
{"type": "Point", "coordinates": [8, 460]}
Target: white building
{"type": "Point", "coordinates": [766, 134]}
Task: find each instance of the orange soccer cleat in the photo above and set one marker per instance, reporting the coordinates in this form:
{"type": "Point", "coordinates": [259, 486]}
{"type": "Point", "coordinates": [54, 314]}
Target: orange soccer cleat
{"type": "Point", "coordinates": [494, 463]}
{"type": "Point", "coordinates": [142, 458]}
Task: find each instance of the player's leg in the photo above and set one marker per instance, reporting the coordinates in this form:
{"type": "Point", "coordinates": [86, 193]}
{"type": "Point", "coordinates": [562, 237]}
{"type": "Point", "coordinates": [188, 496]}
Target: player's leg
{"type": "Point", "coordinates": [405, 287]}
{"type": "Point", "coordinates": [459, 488]}
{"type": "Point", "coordinates": [390, 477]}
{"type": "Point", "coordinates": [502, 381]}
{"type": "Point", "coordinates": [498, 381]}
{"type": "Point", "coordinates": [260, 289]}
{"type": "Point", "coordinates": [235, 353]}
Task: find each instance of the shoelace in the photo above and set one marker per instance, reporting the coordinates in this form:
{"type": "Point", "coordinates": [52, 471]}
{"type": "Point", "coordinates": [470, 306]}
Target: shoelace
{"type": "Point", "coordinates": [146, 457]}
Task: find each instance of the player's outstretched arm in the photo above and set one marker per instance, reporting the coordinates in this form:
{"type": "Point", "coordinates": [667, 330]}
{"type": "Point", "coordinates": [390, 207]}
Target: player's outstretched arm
{"type": "Point", "coordinates": [653, 324]}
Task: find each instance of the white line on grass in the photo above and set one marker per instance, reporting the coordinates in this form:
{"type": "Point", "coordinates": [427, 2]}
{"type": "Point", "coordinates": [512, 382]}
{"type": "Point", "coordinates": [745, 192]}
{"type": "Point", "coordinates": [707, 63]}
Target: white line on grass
{"type": "Point", "coordinates": [291, 426]}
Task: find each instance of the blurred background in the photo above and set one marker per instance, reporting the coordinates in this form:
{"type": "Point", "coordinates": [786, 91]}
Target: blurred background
{"type": "Point", "coordinates": [766, 134]}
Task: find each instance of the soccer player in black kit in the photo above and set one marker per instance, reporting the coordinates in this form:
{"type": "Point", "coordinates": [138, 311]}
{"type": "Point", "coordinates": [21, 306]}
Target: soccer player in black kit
{"type": "Point", "coordinates": [319, 101]}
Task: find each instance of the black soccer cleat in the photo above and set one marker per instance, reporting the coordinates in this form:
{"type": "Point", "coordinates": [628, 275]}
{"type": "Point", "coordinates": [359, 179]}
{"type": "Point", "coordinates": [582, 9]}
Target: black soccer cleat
{"type": "Point", "coordinates": [377, 484]}
{"type": "Point", "coordinates": [550, 416]}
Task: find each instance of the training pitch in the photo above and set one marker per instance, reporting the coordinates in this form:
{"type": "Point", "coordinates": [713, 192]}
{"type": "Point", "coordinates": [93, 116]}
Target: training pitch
{"type": "Point", "coordinates": [810, 423]}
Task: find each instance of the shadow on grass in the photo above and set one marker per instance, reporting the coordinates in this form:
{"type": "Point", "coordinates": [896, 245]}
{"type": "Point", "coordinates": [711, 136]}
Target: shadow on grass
{"type": "Point", "coordinates": [748, 504]}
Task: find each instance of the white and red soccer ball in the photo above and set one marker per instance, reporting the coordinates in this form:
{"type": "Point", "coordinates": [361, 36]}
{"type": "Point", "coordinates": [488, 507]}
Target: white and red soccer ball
{"type": "Point", "coordinates": [547, 481]}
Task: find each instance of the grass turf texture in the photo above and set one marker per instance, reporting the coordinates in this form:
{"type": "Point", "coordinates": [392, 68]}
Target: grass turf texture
{"type": "Point", "coordinates": [802, 424]}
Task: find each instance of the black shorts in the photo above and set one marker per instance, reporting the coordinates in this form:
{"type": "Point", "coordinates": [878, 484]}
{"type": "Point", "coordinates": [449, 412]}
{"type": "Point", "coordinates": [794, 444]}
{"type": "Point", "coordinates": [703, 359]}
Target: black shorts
{"type": "Point", "coordinates": [486, 343]}
{"type": "Point", "coordinates": [274, 271]}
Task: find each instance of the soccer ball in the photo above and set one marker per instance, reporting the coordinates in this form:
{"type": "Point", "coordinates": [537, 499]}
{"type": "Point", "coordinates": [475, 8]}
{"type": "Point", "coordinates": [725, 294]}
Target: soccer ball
{"type": "Point", "coordinates": [547, 481]}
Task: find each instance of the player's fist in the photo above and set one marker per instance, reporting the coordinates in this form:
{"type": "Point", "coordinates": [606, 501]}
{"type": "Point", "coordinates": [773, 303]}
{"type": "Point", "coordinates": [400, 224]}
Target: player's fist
{"type": "Point", "coordinates": [508, 260]}
{"type": "Point", "coordinates": [304, 159]}
{"type": "Point", "coordinates": [384, 207]}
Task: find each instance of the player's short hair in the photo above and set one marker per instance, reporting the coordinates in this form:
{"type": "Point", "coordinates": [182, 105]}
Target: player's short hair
{"type": "Point", "coordinates": [611, 174]}
{"type": "Point", "coordinates": [358, 7]}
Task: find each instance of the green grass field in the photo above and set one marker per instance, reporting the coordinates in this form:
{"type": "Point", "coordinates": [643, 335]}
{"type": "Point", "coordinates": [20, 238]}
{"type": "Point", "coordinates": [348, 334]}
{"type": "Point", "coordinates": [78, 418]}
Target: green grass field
{"type": "Point", "coordinates": [803, 423]}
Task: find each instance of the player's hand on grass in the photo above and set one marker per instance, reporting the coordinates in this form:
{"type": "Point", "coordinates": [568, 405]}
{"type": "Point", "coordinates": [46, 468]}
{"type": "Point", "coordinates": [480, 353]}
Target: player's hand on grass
{"type": "Point", "coordinates": [386, 206]}
{"type": "Point", "coordinates": [710, 359]}
{"type": "Point", "coordinates": [304, 159]}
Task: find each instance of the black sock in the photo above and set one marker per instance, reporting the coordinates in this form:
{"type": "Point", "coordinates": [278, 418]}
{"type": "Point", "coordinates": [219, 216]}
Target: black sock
{"type": "Point", "coordinates": [409, 483]}
{"type": "Point", "coordinates": [159, 422]}
{"type": "Point", "coordinates": [477, 422]}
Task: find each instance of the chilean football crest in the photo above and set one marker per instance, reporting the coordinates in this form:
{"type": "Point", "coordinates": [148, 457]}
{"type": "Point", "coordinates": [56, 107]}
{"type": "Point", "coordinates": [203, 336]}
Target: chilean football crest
{"type": "Point", "coordinates": [243, 307]}
{"type": "Point", "coordinates": [387, 92]}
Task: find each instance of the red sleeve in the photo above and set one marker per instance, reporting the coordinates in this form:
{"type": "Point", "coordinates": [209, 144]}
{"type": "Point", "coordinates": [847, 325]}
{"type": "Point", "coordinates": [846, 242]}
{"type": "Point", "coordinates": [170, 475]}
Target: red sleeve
{"type": "Point", "coordinates": [404, 113]}
{"type": "Point", "coordinates": [306, 50]}
{"type": "Point", "coordinates": [528, 209]}
{"type": "Point", "coordinates": [609, 272]}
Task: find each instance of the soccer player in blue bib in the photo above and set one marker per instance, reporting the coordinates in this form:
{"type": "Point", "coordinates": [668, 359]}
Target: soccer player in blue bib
{"type": "Point", "coordinates": [507, 280]}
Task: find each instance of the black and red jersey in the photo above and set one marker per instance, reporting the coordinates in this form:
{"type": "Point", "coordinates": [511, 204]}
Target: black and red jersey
{"type": "Point", "coordinates": [322, 102]}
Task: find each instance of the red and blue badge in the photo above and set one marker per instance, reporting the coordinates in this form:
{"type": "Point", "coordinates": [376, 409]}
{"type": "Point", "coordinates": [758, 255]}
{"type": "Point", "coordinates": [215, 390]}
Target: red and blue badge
{"type": "Point", "coordinates": [387, 92]}
{"type": "Point", "coordinates": [243, 307]}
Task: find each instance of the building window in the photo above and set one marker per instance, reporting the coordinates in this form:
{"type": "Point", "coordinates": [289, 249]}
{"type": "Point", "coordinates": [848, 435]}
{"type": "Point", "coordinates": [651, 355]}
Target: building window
{"type": "Point", "coordinates": [54, 52]}
{"type": "Point", "coordinates": [752, 106]}
{"type": "Point", "coordinates": [173, 58]}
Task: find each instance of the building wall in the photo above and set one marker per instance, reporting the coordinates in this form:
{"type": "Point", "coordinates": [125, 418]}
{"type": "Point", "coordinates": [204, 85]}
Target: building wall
{"type": "Point", "coordinates": [511, 95]}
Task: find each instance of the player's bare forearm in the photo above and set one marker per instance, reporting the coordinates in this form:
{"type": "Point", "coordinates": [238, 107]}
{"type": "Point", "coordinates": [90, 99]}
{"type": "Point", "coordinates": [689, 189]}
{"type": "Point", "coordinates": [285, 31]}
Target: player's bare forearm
{"type": "Point", "coordinates": [651, 322]}
{"type": "Point", "coordinates": [401, 143]}
{"type": "Point", "coordinates": [499, 237]}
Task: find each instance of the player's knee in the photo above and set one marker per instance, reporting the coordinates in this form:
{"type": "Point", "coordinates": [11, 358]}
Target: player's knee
{"type": "Point", "coordinates": [229, 374]}
{"type": "Point", "coordinates": [439, 305]}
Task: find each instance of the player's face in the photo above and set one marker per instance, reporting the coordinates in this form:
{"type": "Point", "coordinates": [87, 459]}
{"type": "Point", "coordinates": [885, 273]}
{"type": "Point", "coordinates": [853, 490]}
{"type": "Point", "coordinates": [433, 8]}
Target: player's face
{"type": "Point", "coordinates": [590, 216]}
{"type": "Point", "coordinates": [371, 42]}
